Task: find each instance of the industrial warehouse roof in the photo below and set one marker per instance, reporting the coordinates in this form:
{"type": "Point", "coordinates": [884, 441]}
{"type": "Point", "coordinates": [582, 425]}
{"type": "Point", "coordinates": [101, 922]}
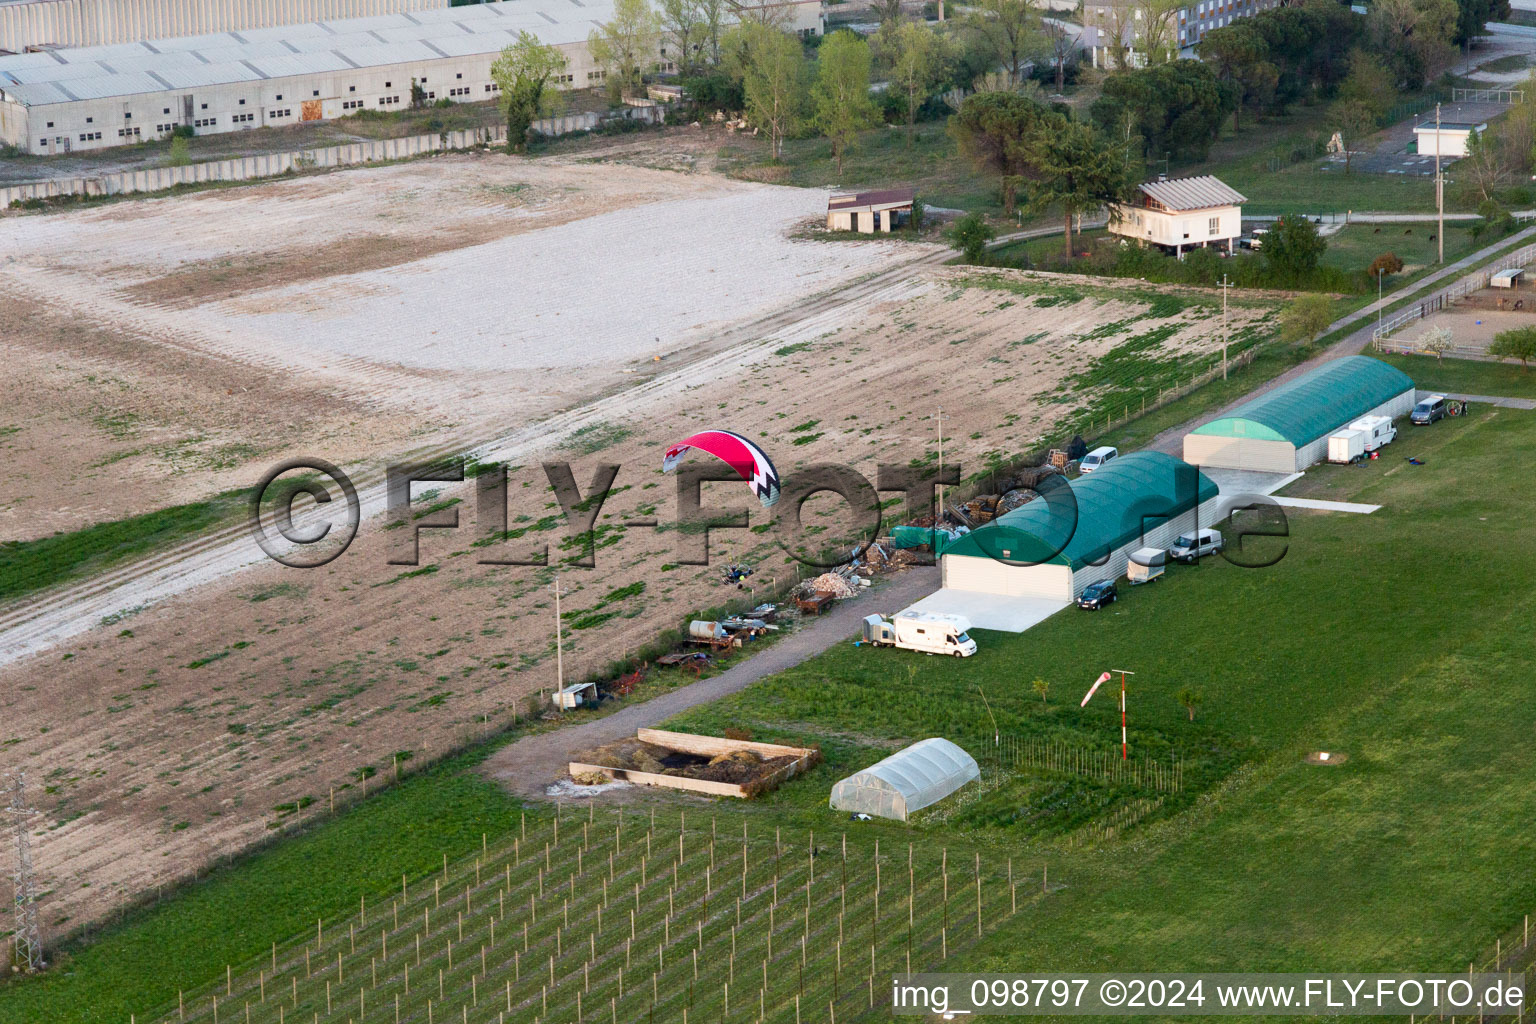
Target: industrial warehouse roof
{"type": "Point", "coordinates": [907, 781]}
{"type": "Point", "coordinates": [1198, 193]}
{"type": "Point", "coordinates": [1302, 410]}
{"type": "Point", "coordinates": [223, 58]}
{"type": "Point", "coordinates": [1082, 522]}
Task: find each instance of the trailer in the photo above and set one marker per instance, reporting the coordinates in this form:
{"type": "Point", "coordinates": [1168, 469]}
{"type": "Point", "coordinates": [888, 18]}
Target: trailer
{"type": "Point", "coordinates": [928, 632]}
{"type": "Point", "coordinates": [1378, 431]}
{"type": "Point", "coordinates": [1346, 446]}
{"type": "Point", "coordinates": [1146, 564]}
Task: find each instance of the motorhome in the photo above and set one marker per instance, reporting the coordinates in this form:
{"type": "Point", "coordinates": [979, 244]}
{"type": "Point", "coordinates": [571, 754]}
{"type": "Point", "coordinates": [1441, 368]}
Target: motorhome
{"type": "Point", "coordinates": [929, 632]}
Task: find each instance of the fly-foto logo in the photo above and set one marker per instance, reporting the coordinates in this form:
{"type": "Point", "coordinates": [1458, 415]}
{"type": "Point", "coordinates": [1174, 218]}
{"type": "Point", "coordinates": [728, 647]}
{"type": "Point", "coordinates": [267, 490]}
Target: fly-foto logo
{"type": "Point", "coordinates": [319, 532]}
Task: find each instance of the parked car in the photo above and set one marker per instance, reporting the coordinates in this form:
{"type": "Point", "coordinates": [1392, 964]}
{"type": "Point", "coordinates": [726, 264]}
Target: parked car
{"type": "Point", "coordinates": [1097, 595]}
{"type": "Point", "coordinates": [1097, 458]}
{"type": "Point", "coordinates": [1430, 409]}
{"type": "Point", "coordinates": [1191, 546]}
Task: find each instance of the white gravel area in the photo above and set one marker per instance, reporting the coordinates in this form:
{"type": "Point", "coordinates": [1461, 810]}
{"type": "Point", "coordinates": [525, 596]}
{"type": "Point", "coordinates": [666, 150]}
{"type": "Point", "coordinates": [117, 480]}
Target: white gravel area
{"type": "Point", "coordinates": [598, 290]}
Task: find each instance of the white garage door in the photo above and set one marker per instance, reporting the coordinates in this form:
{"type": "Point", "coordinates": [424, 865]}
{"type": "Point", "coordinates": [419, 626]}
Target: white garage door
{"type": "Point", "coordinates": [1240, 453]}
{"type": "Point", "coordinates": [989, 576]}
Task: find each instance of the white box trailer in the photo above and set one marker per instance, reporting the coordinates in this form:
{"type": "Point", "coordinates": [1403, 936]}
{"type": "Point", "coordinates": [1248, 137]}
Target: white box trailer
{"type": "Point", "coordinates": [929, 632]}
{"type": "Point", "coordinates": [1146, 564]}
{"type": "Point", "coordinates": [1346, 446]}
{"type": "Point", "coordinates": [1378, 431]}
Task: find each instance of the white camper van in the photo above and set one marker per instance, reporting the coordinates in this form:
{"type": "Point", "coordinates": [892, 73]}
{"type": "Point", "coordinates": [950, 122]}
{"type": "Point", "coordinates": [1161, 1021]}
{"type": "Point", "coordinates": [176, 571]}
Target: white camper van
{"type": "Point", "coordinates": [928, 632]}
{"type": "Point", "coordinates": [1378, 431]}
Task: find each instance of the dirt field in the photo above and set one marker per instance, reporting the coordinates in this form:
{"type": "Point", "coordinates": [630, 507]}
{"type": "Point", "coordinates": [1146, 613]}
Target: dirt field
{"type": "Point", "coordinates": [161, 350]}
{"type": "Point", "coordinates": [197, 724]}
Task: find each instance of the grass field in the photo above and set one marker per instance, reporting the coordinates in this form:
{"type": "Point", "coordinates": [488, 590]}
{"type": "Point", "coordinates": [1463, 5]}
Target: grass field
{"type": "Point", "coordinates": [29, 566]}
{"type": "Point", "coordinates": [1400, 639]}
{"type": "Point", "coordinates": [1355, 246]}
{"type": "Point", "coordinates": [1394, 638]}
{"type": "Point", "coordinates": [1466, 376]}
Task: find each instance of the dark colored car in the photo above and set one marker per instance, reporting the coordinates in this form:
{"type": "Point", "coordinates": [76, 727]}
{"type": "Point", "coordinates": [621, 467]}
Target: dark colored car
{"type": "Point", "coordinates": [1097, 595]}
{"type": "Point", "coordinates": [1429, 410]}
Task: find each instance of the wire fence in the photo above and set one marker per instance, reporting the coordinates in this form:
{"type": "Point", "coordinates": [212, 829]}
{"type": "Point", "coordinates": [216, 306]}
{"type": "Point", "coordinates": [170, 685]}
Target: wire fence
{"type": "Point", "coordinates": [1016, 752]}
{"type": "Point", "coordinates": [1507, 96]}
{"type": "Point", "coordinates": [1466, 286]}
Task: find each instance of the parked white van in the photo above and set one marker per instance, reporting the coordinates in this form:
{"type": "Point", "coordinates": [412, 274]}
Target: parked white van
{"type": "Point", "coordinates": [1378, 431]}
{"type": "Point", "coordinates": [1191, 546]}
{"type": "Point", "coordinates": [1096, 458]}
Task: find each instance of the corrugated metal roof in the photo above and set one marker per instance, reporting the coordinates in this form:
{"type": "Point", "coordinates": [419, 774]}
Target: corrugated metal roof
{"type": "Point", "coordinates": [1302, 410]}
{"type": "Point", "coordinates": [859, 200]}
{"type": "Point", "coordinates": [315, 47]}
{"type": "Point", "coordinates": [1198, 193]}
{"type": "Point", "coordinates": [1103, 511]}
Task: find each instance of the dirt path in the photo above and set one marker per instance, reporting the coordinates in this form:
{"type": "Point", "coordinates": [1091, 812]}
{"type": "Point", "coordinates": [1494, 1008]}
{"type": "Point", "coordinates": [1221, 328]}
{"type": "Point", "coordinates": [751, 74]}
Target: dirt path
{"type": "Point", "coordinates": [531, 764]}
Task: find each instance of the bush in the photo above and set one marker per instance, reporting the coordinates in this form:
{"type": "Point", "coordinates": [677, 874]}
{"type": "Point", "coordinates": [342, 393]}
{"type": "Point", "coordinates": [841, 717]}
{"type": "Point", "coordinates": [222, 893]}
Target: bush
{"type": "Point", "coordinates": [970, 234]}
{"type": "Point", "coordinates": [1385, 264]}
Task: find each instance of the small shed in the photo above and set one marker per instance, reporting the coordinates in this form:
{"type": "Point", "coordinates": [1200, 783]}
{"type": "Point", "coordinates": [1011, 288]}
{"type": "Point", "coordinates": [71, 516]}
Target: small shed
{"type": "Point", "coordinates": [869, 211]}
{"type": "Point", "coordinates": [1507, 278]}
{"type": "Point", "coordinates": [907, 781]}
{"type": "Point", "coordinates": [1448, 138]}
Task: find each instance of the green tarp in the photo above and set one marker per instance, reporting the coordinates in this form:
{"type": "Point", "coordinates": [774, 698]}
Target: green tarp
{"type": "Point", "coordinates": [1316, 403]}
{"type": "Point", "coordinates": [1080, 523]}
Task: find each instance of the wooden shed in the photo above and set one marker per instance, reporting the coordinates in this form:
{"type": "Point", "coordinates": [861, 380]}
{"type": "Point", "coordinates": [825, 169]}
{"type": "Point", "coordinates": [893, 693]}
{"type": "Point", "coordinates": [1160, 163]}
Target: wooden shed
{"type": "Point", "coordinates": [869, 211]}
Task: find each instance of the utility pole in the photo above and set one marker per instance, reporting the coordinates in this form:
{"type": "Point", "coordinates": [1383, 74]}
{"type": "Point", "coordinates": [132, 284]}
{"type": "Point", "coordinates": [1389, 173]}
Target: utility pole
{"type": "Point", "coordinates": [941, 463]}
{"type": "Point", "coordinates": [1224, 284]}
{"type": "Point", "coordinates": [29, 946]}
{"type": "Point", "coordinates": [1439, 193]}
{"type": "Point", "coordinates": [559, 648]}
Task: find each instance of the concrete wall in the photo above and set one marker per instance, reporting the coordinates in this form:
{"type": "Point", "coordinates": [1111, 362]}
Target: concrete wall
{"type": "Point", "coordinates": [272, 164]}
{"type": "Point", "coordinates": [102, 22]}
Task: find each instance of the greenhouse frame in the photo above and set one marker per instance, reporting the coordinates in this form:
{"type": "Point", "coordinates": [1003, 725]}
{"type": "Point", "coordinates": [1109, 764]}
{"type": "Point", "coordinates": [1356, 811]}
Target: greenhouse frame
{"type": "Point", "coordinates": [909, 780]}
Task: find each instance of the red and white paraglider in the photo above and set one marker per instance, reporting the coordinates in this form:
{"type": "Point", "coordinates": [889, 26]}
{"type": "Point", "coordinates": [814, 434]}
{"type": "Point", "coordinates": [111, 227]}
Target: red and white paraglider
{"type": "Point", "coordinates": [746, 458]}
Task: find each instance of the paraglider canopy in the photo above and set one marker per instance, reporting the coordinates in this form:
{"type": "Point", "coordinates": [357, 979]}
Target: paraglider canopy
{"type": "Point", "coordinates": [746, 458]}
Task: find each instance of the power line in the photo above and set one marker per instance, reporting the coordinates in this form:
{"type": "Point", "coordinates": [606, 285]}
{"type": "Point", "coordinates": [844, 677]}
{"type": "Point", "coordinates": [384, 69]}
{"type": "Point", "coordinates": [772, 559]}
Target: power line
{"type": "Point", "coordinates": [29, 944]}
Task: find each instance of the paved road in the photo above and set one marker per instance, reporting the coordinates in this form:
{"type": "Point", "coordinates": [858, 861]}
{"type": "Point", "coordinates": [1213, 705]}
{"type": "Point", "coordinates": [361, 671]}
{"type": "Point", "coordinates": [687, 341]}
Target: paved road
{"type": "Point", "coordinates": [1171, 440]}
{"type": "Point", "coordinates": [531, 764]}
{"type": "Point", "coordinates": [1507, 403]}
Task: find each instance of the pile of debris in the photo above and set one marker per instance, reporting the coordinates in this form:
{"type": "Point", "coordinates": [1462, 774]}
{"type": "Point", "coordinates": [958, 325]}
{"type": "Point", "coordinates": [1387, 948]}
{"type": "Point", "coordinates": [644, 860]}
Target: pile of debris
{"type": "Point", "coordinates": [884, 556]}
{"type": "Point", "coordinates": [739, 767]}
{"type": "Point", "coordinates": [833, 583]}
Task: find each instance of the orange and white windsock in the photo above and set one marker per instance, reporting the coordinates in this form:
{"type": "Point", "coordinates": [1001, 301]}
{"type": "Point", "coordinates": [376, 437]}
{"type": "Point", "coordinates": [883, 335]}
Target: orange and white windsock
{"type": "Point", "coordinates": [1094, 689]}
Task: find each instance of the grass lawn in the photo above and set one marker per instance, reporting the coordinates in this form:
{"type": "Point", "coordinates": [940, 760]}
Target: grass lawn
{"type": "Point", "coordinates": [1397, 639]}
{"type": "Point", "coordinates": [29, 566]}
{"type": "Point", "coordinates": [1355, 246]}
{"type": "Point", "coordinates": [1466, 376]}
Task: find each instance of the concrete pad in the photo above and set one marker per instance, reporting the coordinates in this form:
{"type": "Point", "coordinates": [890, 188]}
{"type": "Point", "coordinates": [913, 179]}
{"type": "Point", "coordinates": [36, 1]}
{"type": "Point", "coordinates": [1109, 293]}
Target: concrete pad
{"type": "Point", "coordinates": [1327, 506]}
{"type": "Point", "coordinates": [991, 611]}
{"type": "Point", "coordinates": [1233, 482]}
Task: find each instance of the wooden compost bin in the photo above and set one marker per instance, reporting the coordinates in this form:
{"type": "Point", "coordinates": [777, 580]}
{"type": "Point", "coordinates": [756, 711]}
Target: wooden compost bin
{"type": "Point", "coordinates": [706, 746]}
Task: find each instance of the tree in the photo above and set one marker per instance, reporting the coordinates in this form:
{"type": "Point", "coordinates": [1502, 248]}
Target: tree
{"type": "Point", "coordinates": [887, 12]}
{"type": "Point", "coordinates": [626, 47]}
{"type": "Point", "coordinates": [919, 60]}
{"type": "Point", "coordinates": [1157, 28]}
{"type": "Point", "coordinates": [684, 27]}
{"type": "Point", "coordinates": [1473, 15]}
{"type": "Point", "coordinates": [775, 86]}
{"type": "Point", "coordinates": [1385, 265]}
{"type": "Point", "coordinates": [841, 94]}
{"type": "Point", "coordinates": [1354, 121]}
{"type": "Point", "coordinates": [1240, 58]}
{"type": "Point", "coordinates": [1062, 46]}
{"type": "Point", "coordinates": [1292, 249]}
{"type": "Point", "coordinates": [1413, 37]}
{"type": "Point", "coordinates": [1437, 340]}
{"type": "Point", "coordinates": [418, 95]}
{"type": "Point", "coordinates": [712, 19]}
{"type": "Point", "coordinates": [970, 234]}
{"type": "Point", "coordinates": [1042, 688]}
{"type": "Point", "coordinates": [1368, 83]}
{"type": "Point", "coordinates": [523, 72]}
{"type": "Point", "coordinates": [1305, 318]}
{"type": "Point", "coordinates": [1189, 699]}
{"type": "Point", "coordinates": [994, 130]}
{"type": "Point", "coordinates": [1176, 108]}
{"type": "Point", "coordinates": [1013, 29]}
{"type": "Point", "coordinates": [1518, 343]}
{"type": "Point", "coordinates": [180, 154]}
{"type": "Point", "coordinates": [1484, 170]}
{"type": "Point", "coordinates": [1079, 170]}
